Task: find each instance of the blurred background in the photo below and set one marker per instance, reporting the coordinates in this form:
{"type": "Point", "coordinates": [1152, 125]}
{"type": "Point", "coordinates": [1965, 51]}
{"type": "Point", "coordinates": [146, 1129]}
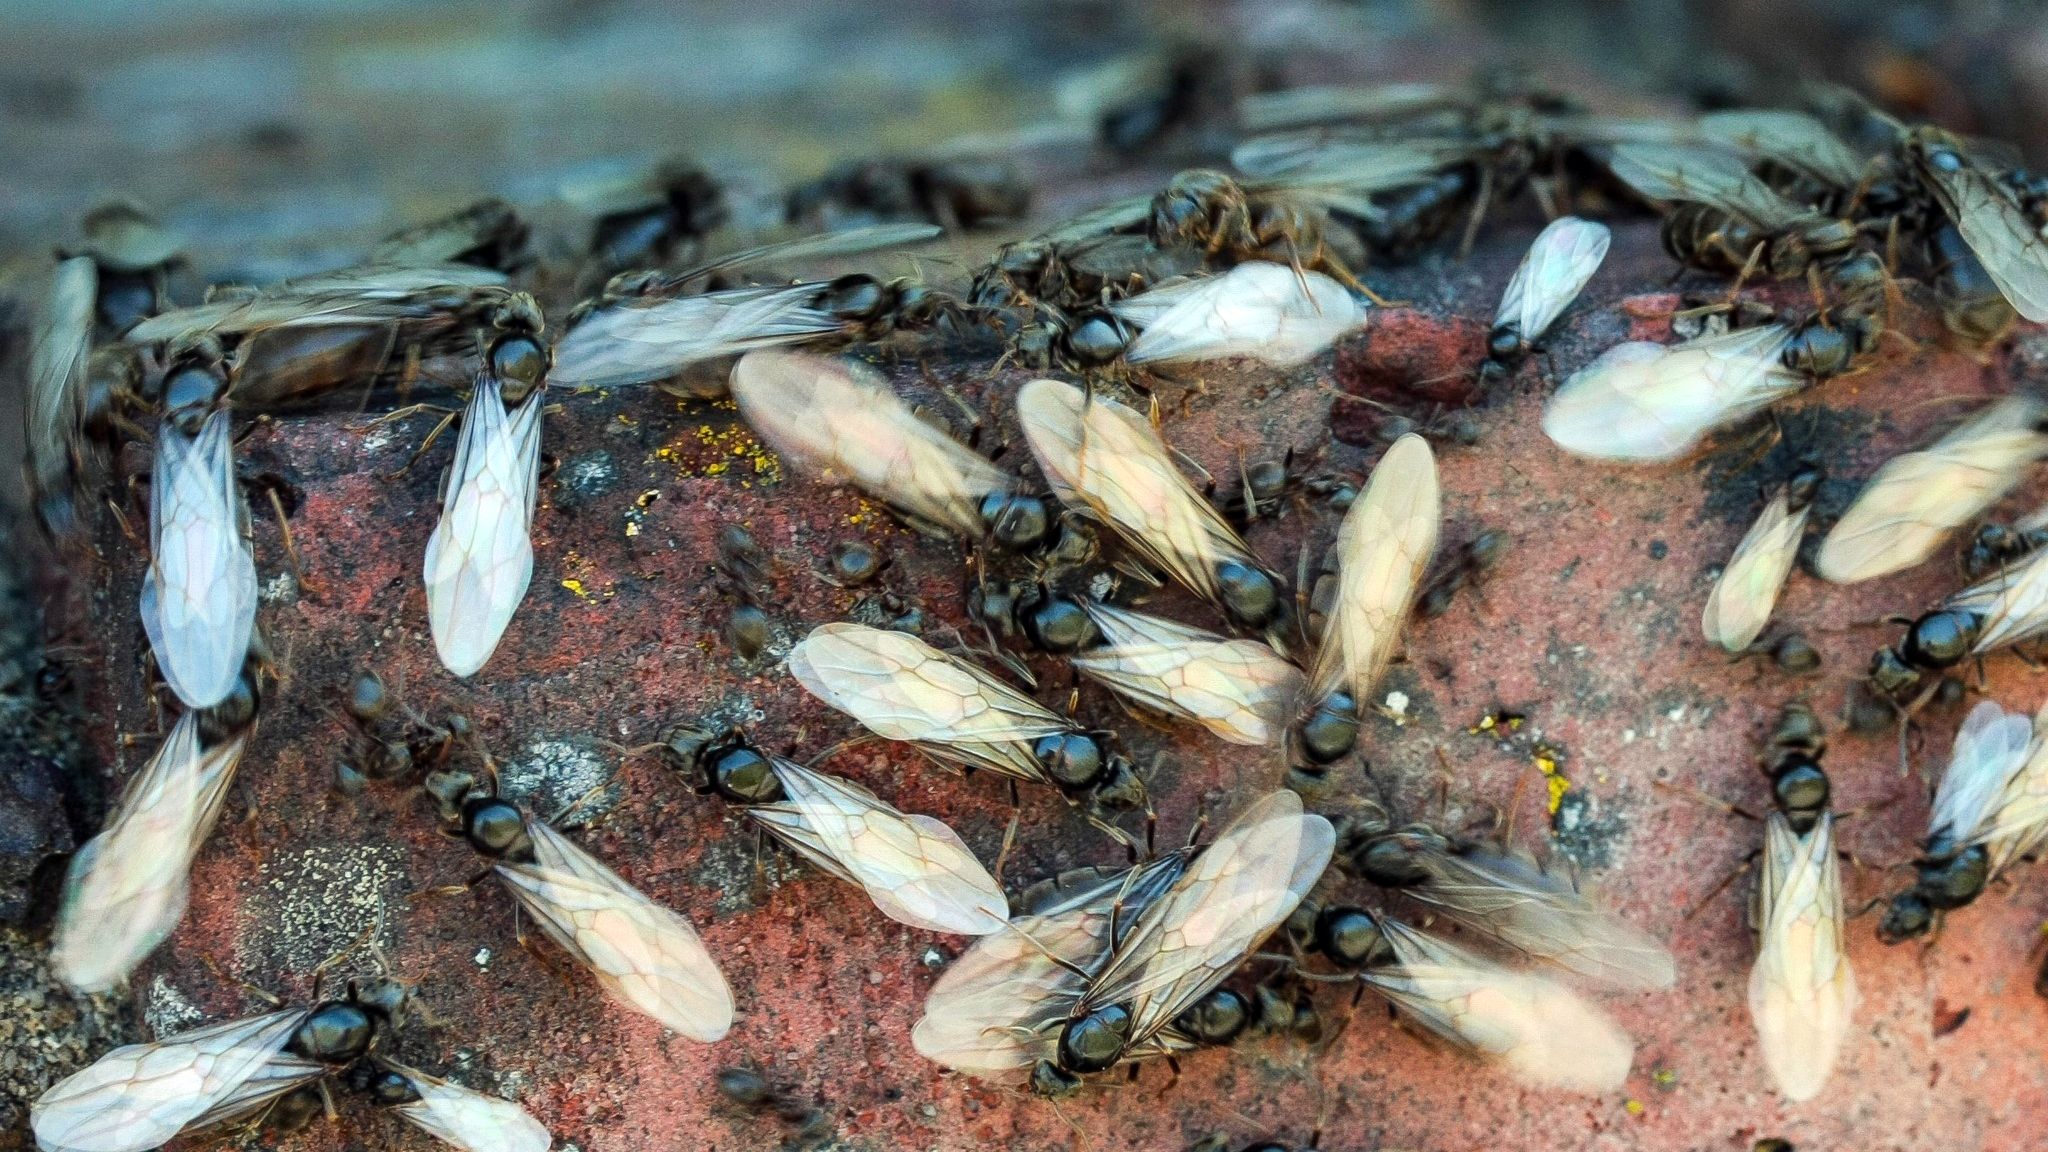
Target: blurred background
{"type": "Point", "coordinates": [270, 131]}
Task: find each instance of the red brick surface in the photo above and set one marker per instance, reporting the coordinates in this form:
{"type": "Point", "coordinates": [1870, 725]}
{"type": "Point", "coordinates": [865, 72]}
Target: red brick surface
{"type": "Point", "coordinates": [1591, 629]}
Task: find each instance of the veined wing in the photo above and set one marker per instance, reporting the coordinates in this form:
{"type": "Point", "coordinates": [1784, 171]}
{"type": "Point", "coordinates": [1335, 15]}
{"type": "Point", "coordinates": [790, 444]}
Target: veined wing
{"type": "Point", "coordinates": [1643, 402]}
{"type": "Point", "coordinates": [840, 422]}
{"type": "Point", "coordinates": [998, 1009]}
{"type": "Point", "coordinates": [1740, 605]}
{"type": "Point", "coordinates": [1510, 898]}
{"type": "Point", "coordinates": [1791, 139]}
{"type": "Point", "coordinates": [1677, 174]}
{"type": "Point", "coordinates": [2018, 824]}
{"type": "Point", "coordinates": [640, 341]}
{"type": "Point", "coordinates": [1383, 546]}
{"type": "Point", "coordinates": [821, 246]}
{"type": "Point", "coordinates": [480, 558]}
{"type": "Point", "coordinates": [1241, 887]}
{"type": "Point", "coordinates": [916, 869]}
{"type": "Point", "coordinates": [1990, 750]}
{"type": "Point", "coordinates": [1267, 312]}
{"type": "Point", "coordinates": [904, 689]}
{"type": "Point", "coordinates": [56, 374]}
{"type": "Point", "coordinates": [1106, 459]}
{"type": "Point", "coordinates": [1992, 224]}
{"type": "Point", "coordinates": [199, 595]}
{"type": "Point", "coordinates": [1268, 111]}
{"type": "Point", "coordinates": [369, 295]}
{"type": "Point", "coordinates": [1240, 690]}
{"type": "Point", "coordinates": [1560, 261]}
{"type": "Point", "coordinates": [142, 1095]}
{"type": "Point", "coordinates": [465, 1119]}
{"type": "Point", "coordinates": [1801, 991]}
{"type": "Point", "coordinates": [1538, 1029]}
{"type": "Point", "coordinates": [1918, 498]}
{"type": "Point", "coordinates": [2012, 603]}
{"type": "Point", "coordinates": [127, 887]}
{"type": "Point", "coordinates": [645, 955]}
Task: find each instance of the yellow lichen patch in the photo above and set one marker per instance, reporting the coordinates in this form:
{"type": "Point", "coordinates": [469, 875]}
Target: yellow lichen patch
{"type": "Point", "coordinates": [576, 568]}
{"type": "Point", "coordinates": [1549, 761]}
{"type": "Point", "coordinates": [576, 586]}
{"type": "Point", "coordinates": [1634, 1106]}
{"type": "Point", "coordinates": [710, 450]}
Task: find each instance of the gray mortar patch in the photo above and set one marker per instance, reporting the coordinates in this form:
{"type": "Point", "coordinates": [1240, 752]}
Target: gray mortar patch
{"type": "Point", "coordinates": [551, 774]}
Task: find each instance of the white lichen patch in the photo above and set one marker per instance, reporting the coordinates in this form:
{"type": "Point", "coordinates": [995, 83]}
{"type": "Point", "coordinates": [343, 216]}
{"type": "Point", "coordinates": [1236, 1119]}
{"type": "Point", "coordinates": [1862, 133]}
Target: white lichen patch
{"type": "Point", "coordinates": [166, 1011]}
{"type": "Point", "coordinates": [549, 776]}
{"type": "Point", "coordinates": [313, 903]}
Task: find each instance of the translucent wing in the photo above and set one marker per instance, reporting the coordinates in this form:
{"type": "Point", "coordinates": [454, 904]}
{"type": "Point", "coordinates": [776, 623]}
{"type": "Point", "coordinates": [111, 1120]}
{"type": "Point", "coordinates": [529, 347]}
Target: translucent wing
{"type": "Point", "coordinates": [641, 341]}
{"type": "Point", "coordinates": [2013, 604]}
{"type": "Point", "coordinates": [199, 595]}
{"type": "Point", "coordinates": [824, 245]}
{"type": "Point", "coordinates": [1990, 750]}
{"type": "Point", "coordinates": [1239, 888]}
{"type": "Point", "coordinates": [1364, 166]}
{"type": "Point", "coordinates": [1240, 690]}
{"type": "Point", "coordinates": [1676, 173]}
{"type": "Point", "coordinates": [2018, 824]}
{"type": "Point", "coordinates": [56, 375]}
{"type": "Point", "coordinates": [480, 558]}
{"type": "Point", "coordinates": [1918, 498]}
{"type": "Point", "coordinates": [1741, 602]}
{"type": "Point", "coordinates": [1267, 111]}
{"type": "Point", "coordinates": [1106, 459]}
{"type": "Point", "coordinates": [1115, 216]}
{"type": "Point", "coordinates": [1539, 1030]}
{"type": "Point", "coordinates": [1792, 139]}
{"type": "Point", "coordinates": [645, 955]}
{"type": "Point", "coordinates": [1510, 898]}
{"type": "Point", "coordinates": [370, 295]}
{"type": "Point", "coordinates": [468, 1120]}
{"type": "Point", "coordinates": [1560, 261]}
{"type": "Point", "coordinates": [1994, 226]}
{"type": "Point", "coordinates": [1644, 402]}
{"type": "Point", "coordinates": [1801, 991]}
{"type": "Point", "coordinates": [901, 688]}
{"type": "Point", "coordinates": [1266, 312]}
{"type": "Point", "coordinates": [141, 1095]}
{"type": "Point", "coordinates": [127, 887]}
{"type": "Point", "coordinates": [916, 869]}
{"type": "Point", "coordinates": [840, 422]}
{"type": "Point", "coordinates": [1383, 546]}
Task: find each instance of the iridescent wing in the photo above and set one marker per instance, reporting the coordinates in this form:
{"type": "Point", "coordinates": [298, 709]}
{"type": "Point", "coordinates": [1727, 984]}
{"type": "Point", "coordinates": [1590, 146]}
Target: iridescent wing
{"type": "Point", "coordinates": [647, 956]}
{"type": "Point", "coordinates": [126, 888]}
{"type": "Point", "coordinates": [1107, 460]}
{"type": "Point", "coordinates": [468, 1120]}
{"type": "Point", "coordinates": [1642, 402]}
{"type": "Point", "coordinates": [901, 688]}
{"type": "Point", "coordinates": [1267, 312]}
{"type": "Point", "coordinates": [642, 341]}
{"type": "Point", "coordinates": [1239, 888]}
{"type": "Point", "coordinates": [1740, 605]}
{"type": "Point", "coordinates": [199, 595]}
{"type": "Point", "coordinates": [916, 869]}
{"type": "Point", "coordinates": [839, 422]}
{"type": "Point", "coordinates": [1382, 548]}
{"type": "Point", "coordinates": [1560, 261]}
{"type": "Point", "coordinates": [1539, 1030]}
{"type": "Point", "coordinates": [1510, 898]}
{"type": "Point", "coordinates": [480, 558]}
{"type": "Point", "coordinates": [1240, 690]}
{"type": "Point", "coordinates": [142, 1095]}
{"type": "Point", "coordinates": [1917, 499]}
{"type": "Point", "coordinates": [1801, 991]}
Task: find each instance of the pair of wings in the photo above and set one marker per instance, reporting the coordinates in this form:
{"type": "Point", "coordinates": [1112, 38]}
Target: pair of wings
{"type": "Point", "coordinates": [1645, 403]}
{"type": "Point", "coordinates": [999, 1008]}
{"type": "Point", "coordinates": [1995, 790]}
{"type": "Point", "coordinates": [375, 294]}
{"type": "Point", "coordinates": [916, 869]}
{"type": "Point", "coordinates": [199, 595]}
{"type": "Point", "coordinates": [839, 422]}
{"type": "Point", "coordinates": [57, 374]}
{"type": "Point", "coordinates": [1383, 546]}
{"type": "Point", "coordinates": [1551, 275]}
{"type": "Point", "coordinates": [901, 688]}
{"type": "Point", "coordinates": [1539, 912]}
{"type": "Point", "coordinates": [1108, 461]}
{"type": "Point", "coordinates": [1675, 173]}
{"type": "Point", "coordinates": [1240, 690]}
{"type": "Point", "coordinates": [1995, 227]}
{"type": "Point", "coordinates": [1537, 1029]}
{"type": "Point", "coordinates": [126, 888]}
{"type": "Point", "coordinates": [2012, 604]}
{"type": "Point", "coordinates": [1267, 312]}
{"type": "Point", "coordinates": [143, 1095]}
{"type": "Point", "coordinates": [1740, 605]}
{"type": "Point", "coordinates": [644, 955]}
{"type": "Point", "coordinates": [479, 559]}
{"type": "Point", "coordinates": [1915, 500]}
{"type": "Point", "coordinates": [1802, 993]}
